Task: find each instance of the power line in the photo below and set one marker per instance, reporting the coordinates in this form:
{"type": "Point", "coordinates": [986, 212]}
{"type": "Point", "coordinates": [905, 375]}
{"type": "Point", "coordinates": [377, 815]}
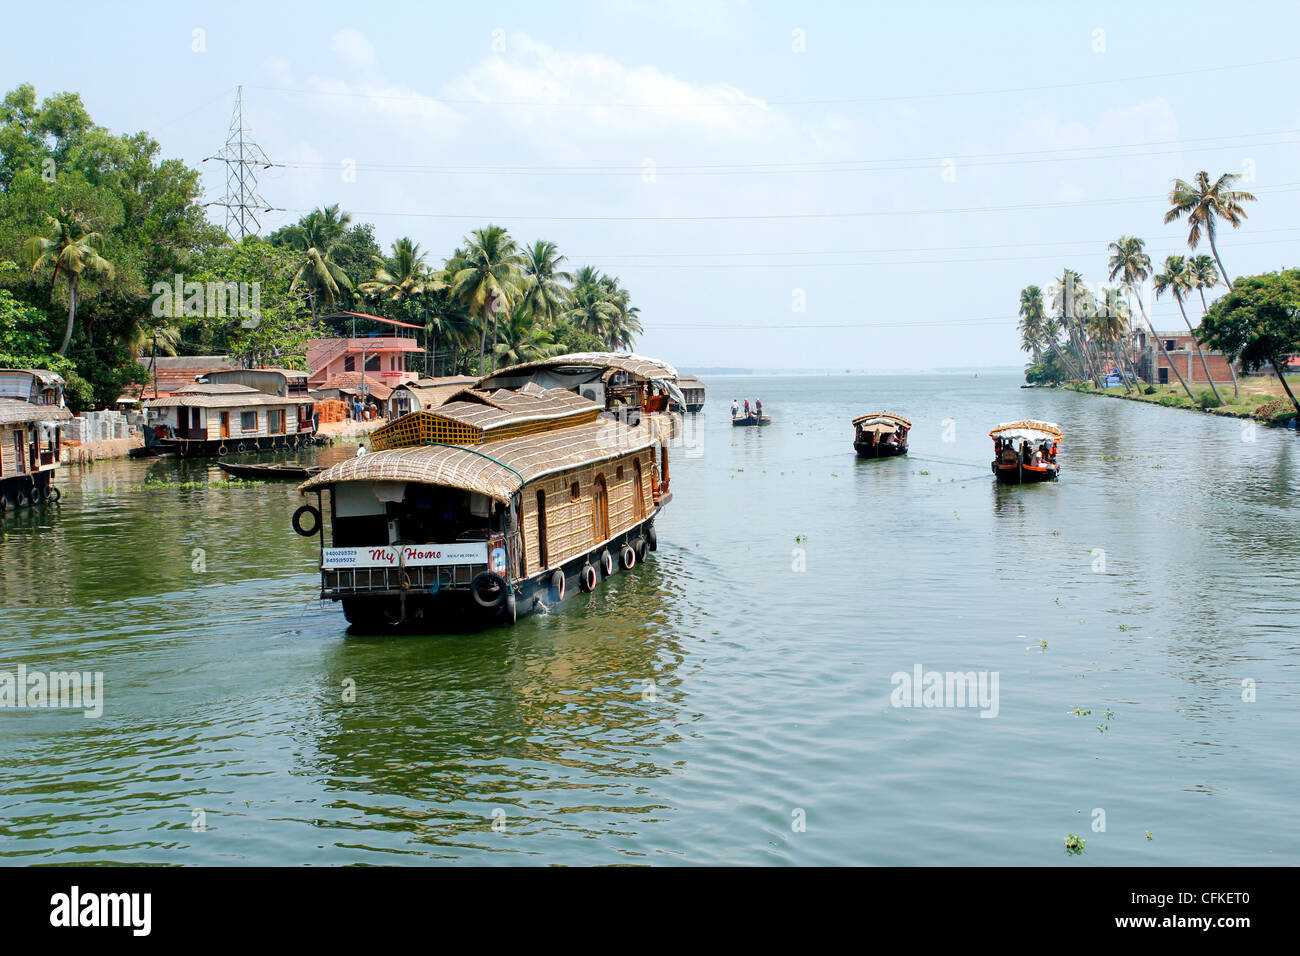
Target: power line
{"type": "Point", "coordinates": [752, 217]}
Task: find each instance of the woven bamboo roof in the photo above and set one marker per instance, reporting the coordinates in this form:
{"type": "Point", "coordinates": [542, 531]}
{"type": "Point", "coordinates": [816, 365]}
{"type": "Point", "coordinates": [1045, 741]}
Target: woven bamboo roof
{"type": "Point", "coordinates": [432, 392]}
{"type": "Point", "coordinates": [220, 396]}
{"type": "Point", "coordinates": [500, 469]}
{"type": "Point", "coordinates": [1028, 428]}
{"type": "Point", "coordinates": [688, 381]}
{"type": "Point", "coordinates": [625, 361]}
{"type": "Point", "coordinates": [13, 412]}
{"type": "Point", "coordinates": [892, 419]}
{"type": "Point", "coordinates": [487, 411]}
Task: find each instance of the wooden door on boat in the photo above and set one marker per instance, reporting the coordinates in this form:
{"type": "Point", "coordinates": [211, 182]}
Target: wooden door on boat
{"type": "Point", "coordinates": [638, 491]}
{"type": "Point", "coordinates": [600, 511]}
{"type": "Point", "coordinates": [225, 424]}
{"type": "Point", "coordinates": [20, 459]}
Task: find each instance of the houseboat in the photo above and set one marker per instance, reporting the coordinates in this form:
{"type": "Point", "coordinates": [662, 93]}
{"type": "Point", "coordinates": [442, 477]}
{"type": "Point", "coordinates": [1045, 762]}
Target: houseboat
{"type": "Point", "coordinates": [1025, 451]}
{"type": "Point", "coordinates": [692, 392]}
{"type": "Point", "coordinates": [31, 411]}
{"type": "Point", "coordinates": [487, 507]}
{"type": "Point", "coordinates": [880, 435]}
{"type": "Point", "coordinates": [631, 387]}
{"type": "Point", "coordinates": [227, 418]}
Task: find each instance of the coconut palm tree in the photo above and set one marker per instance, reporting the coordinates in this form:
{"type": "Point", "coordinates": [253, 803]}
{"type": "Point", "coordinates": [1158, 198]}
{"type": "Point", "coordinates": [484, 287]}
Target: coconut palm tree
{"type": "Point", "coordinates": [399, 277]}
{"type": "Point", "coordinates": [1031, 321]}
{"type": "Point", "coordinates": [1073, 303]}
{"type": "Point", "coordinates": [1108, 325]}
{"type": "Point", "coordinates": [319, 276]}
{"type": "Point", "coordinates": [488, 278]}
{"type": "Point", "coordinates": [1177, 281]}
{"type": "Point", "coordinates": [523, 340]}
{"type": "Point", "coordinates": [75, 250]}
{"type": "Point", "coordinates": [543, 290]}
{"type": "Point", "coordinates": [590, 309]}
{"type": "Point", "coordinates": [1131, 266]}
{"type": "Point", "coordinates": [1203, 274]}
{"type": "Point", "coordinates": [1203, 204]}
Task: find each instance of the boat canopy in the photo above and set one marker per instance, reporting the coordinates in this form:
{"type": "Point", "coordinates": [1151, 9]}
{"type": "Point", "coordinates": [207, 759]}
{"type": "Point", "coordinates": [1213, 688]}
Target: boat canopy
{"type": "Point", "coordinates": [578, 368]}
{"type": "Point", "coordinates": [498, 469]}
{"type": "Point", "coordinates": [1028, 429]}
{"type": "Point", "coordinates": [881, 422]}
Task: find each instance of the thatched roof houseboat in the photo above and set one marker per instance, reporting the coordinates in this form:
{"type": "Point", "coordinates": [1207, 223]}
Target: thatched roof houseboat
{"type": "Point", "coordinates": [486, 507]}
{"type": "Point", "coordinates": [31, 410]}
{"type": "Point", "coordinates": [880, 435]}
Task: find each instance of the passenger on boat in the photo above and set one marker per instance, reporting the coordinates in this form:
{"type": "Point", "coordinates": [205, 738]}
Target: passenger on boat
{"type": "Point", "coordinates": [1008, 455]}
{"type": "Point", "coordinates": [361, 449]}
{"type": "Point", "coordinates": [758, 407]}
{"type": "Point", "coordinates": [746, 408]}
{"type": "Point", "coordinates": [735, 408]}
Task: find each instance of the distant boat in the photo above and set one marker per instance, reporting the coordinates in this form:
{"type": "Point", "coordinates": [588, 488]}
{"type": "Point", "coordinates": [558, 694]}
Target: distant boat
{"type": "Point", "coordinates": [880, 435]}
{"type": "Point", "coordinates": [744, 421]}
{"type": "Point", "coordinates": [268, 471]}
{"type": "Point", "coordinates": [1034, 460]}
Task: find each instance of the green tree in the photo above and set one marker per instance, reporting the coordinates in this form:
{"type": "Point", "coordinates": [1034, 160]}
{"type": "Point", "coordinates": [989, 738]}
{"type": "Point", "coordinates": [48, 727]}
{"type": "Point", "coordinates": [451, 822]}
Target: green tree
{"type": "Point", "coordinates": [1204, 203]}
{"type": "Point", "coordinates": [543, 289]}
{"type": "Point", "coordinates": [487, 278]}
{"type": "Point", "coordinates": [1131, 266]}
{"type": "Point", "coordinates": [319, 275]}
{"type": "Point", "coordinates": [1258, 321]}
{"type": "Point", "coordinates": [1177, 280]}
{"type": "Point", "coordinates": [73, 249]}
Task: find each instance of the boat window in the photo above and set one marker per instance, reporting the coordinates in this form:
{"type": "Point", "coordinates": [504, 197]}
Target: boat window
{"type": "Point", "coordinates": [575, 491]}
{"type": "Point", "coordinates": [541, 529]}
{"type": "Point", "coordinates": [618, 473]}
{"type": "Point", "coordinates": [599, 510]}
{"type": "Point", "coordinates": [248, 421]}
{"type": "Point", "coordinates": [638, 492]}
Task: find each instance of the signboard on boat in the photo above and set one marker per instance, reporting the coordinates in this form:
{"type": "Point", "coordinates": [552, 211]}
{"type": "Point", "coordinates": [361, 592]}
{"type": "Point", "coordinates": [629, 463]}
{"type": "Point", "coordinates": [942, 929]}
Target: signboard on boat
{"type": "Point", "coordinates": [413, 555]}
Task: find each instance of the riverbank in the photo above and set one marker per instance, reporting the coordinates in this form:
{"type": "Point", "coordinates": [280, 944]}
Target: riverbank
{"type": "Point", "coordinates": [1255, 400]}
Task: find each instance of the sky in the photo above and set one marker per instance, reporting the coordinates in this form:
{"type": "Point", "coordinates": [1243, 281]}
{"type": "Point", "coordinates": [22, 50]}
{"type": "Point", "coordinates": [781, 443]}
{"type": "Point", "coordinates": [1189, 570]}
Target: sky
{"type": "Point", "coordinates": [779, 185]}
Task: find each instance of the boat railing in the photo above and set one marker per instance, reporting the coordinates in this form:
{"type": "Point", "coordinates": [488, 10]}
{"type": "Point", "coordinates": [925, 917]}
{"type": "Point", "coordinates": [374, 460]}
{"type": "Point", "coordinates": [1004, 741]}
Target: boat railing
{"type": "Point", "coordinates": [337, 582]}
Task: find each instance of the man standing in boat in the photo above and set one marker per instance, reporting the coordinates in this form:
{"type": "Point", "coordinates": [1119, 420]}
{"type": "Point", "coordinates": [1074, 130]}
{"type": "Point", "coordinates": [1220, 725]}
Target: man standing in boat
{"type": "Point", "coordinates": [758, 408]}
{"type": "Point", "coordinates": [735, 408]}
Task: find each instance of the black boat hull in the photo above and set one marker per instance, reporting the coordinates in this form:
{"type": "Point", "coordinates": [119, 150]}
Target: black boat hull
{"type": "Point", "coordinates": [879, 449]}
{"type": "Point", "coordinates": [746, 421]}
{"type": "Point", "coordinates": [1019, 475]}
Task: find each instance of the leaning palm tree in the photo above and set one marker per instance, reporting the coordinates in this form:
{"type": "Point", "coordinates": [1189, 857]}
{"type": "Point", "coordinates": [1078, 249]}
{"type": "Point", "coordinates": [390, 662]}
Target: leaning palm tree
{"type": "Point", "coordinates": [75, 250]}
{"type": "Point", "coordinates": [318, 275]}
{"type": "Point", "coordinates": [1131, 266]}
{"type": "Point", "coordinates": [1108, 325]}
{"type": "Point", "coordinates": [488, 278]}
{"type": "Point", "coordinates": [543, 292]}
{"type": "Point", "coordinates": [1178, 282]}
{"type": "Point", "coordinates": [1031, 321]}
{"type": "Point", "coordinates": [1203, 275]}
{"type": "Point", "coordinates": [1203, 204]}
{"type": "Point", "coordinates": [1073, 304]}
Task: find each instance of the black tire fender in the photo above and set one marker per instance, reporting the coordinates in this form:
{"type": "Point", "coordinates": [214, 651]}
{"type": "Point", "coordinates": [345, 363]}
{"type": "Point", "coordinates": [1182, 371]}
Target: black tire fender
{"type": "Point", "coordinates": [490, 600]}
{"type": "Point", "coordinates": [641, 548]}
{"type": "Point", "coordinates": [557, 585]}
{"type": "Point", "coordinates": [627, 557]}
{"type": "Point", "coordinates": [315, 521]}
{"type": "Point", "coordinates": [606, 563]}
{"type": "Point", "coordinates": [651, 538]}
{"type": "Point", "coordinates": [587, 578]}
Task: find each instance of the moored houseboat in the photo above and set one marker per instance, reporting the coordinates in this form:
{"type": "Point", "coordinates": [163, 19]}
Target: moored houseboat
{"type": "Point", "coordinates": [692, 392]}
{"type": "Point", "coordinates": [31, 411]}
{"type": "Point", "coordinates": [228, 418]}
{"type": "Point", "coordinates": [880, 435]}
{"type": "Point", "coordinates": [487, 507]}
{"type": "Point", "coordinates": [632, 387]}
{"type": "Point", "coordinates": [1033, 458]}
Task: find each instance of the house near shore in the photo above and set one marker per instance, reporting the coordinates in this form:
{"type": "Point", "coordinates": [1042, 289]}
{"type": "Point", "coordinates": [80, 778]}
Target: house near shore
{"type": "Point", "coordinates": [1155, 369]}
{"type": "Point", "coordinates": [381, 355]}
{"type": "Point", "coordinates": [171, 372]}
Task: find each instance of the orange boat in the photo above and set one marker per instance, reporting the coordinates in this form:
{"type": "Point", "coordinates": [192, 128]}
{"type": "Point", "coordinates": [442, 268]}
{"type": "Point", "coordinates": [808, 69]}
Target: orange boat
{"type": "Point", "coordinates": [1025, 451]}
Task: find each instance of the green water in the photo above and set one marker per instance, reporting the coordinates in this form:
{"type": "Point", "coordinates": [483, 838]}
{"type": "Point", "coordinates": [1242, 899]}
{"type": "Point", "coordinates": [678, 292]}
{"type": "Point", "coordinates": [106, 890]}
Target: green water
{"type": "Point", "coordinates": [717, 704]}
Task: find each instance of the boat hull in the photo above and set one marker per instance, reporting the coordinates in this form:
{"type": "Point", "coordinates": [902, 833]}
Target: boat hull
{"type": "Point", "coordinates": [214, 447]}
{"type": "Point", "coordinates": [268, 472]}
{"type": "Point", "coordinates": [1025, 474]}
{"type": "Point", "coordinates": [746, 421]}
{"type": "Point", "coordinates": [22, 491]}
{"type": "Point", "coordinates": [879, 449]}
{"type": "Point", "coordinates": [454, 610]}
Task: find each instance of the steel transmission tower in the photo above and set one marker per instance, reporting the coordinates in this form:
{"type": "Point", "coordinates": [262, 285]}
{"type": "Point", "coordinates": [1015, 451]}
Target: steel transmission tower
{"type": "Point", "coordinates": [243, 204]}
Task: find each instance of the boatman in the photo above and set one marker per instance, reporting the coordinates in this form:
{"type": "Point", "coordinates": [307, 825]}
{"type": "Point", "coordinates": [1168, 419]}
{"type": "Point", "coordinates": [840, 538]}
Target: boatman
{"type": "Point", "coordinates": [361, 449]}
{"type": "Point", "coordinates": [735, 408]}
{"type": "Point", "coordinates": [746, 408]}
{"type": "Point", "coordinates": [758, 407]}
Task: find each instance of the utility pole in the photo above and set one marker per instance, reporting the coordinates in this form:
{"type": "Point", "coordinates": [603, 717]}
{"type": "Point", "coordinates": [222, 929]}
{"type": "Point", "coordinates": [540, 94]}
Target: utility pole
{"type": "Point", "coordinates": [243, 203]}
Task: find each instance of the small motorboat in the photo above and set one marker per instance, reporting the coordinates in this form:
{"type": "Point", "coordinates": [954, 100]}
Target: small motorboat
{"type": "Point", "coordinates": [751, 419]}
{"type": "Point", "coordinates": [268, 472]}
{"type": "Point", "coordinates": [880, 435]}
{"type": "Point", "coordinates": [1035, 457]}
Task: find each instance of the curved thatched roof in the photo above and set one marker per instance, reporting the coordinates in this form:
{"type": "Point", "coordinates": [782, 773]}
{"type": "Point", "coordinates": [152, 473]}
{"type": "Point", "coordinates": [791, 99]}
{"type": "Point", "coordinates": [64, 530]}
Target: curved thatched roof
{"type": "Point", "coordinates": [626, 361]}
{"type": "Point", "coordinates": [497, 470]}
{"type": "Point", "coordinates": [1028, 428]}
{"type": "Point", "coordinates": [890, 419]}
{"type": "Point", "coordinates": [13, 412]}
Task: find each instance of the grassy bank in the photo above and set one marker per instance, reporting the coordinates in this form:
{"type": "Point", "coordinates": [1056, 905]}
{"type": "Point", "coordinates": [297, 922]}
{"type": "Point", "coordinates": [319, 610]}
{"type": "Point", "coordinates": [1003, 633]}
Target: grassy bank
{"type": "Point", "coordinates": [1261, 399]}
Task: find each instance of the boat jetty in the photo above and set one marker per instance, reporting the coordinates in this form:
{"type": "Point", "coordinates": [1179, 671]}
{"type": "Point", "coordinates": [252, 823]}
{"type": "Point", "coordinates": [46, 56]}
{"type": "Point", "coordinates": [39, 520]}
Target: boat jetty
{"type": "Point", "coordinates": [493, 504]}
{"type": "Point", "coordinates": [31, 413]}
{"type": "Point", "coordinates": [880, 435]}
